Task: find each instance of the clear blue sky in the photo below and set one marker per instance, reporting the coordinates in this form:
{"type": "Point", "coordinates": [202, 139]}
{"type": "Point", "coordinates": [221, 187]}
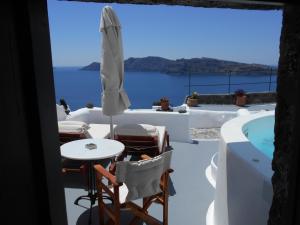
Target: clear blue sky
{"type": "Point", "coordinates": [167, 31]}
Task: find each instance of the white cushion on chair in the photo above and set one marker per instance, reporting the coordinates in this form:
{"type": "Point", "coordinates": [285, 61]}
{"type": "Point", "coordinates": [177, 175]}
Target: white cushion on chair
{"type": "Point", "coordinates": [143, 130]}
{"type": "Point", "coordinates": [136, 130]}
{"type": "Point", "coordinates": [72, 127]}
{"type": "Point", "coordinates": [75, 123]}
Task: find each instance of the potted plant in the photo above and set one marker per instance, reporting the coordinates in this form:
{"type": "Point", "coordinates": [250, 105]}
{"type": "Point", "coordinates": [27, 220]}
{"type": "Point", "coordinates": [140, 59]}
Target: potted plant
{"type": "Point", "coordinates": [164, 104]}
{"type": "Point", "coordinates": [193, 99]}
{"type": "Point", "coordinates": [240, 97]}
{"type": "Point", "coordinates": [89, 105]}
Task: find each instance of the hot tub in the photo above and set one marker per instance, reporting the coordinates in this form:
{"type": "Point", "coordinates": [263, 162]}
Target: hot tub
{"type": "Point", "coordinates": [243, 180]}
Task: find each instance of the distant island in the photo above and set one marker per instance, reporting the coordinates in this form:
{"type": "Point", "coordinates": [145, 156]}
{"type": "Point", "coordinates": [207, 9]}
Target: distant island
{"type": "Point", "coordinates": [184, 66]}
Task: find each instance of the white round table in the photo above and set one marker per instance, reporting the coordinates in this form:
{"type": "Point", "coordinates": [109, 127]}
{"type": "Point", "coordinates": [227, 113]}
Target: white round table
{"type": "Point", "coordinates": [106, 148]}
{"type": "Point", "coordinates": [77, 150]}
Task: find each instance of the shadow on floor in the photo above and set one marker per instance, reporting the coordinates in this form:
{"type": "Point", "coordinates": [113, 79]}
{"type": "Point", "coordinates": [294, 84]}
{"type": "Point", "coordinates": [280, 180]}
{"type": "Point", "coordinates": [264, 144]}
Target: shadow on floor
{"type": "Point", "coordinates": [172, 191]}
{"type": "Point", "coordinates": [83, 219]}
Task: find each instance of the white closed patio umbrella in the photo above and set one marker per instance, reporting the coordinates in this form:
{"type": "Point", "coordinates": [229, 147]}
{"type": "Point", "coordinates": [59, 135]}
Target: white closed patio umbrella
{"type": "Point", "coordinates": [114, 97]}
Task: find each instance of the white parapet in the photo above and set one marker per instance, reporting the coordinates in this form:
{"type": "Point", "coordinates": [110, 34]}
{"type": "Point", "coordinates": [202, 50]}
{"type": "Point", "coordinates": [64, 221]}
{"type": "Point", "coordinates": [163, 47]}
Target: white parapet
{"type": "Point", "coordinates": [210, 118]}
{"type": "Point", "coordinates": [177, 124]}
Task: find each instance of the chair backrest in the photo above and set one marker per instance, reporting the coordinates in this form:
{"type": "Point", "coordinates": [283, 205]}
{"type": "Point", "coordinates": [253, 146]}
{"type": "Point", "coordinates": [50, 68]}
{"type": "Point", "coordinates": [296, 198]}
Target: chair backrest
{"type": "Point", "coordinates": [72, 130]}
{"type": "Point", "coordinates": [142, 178]}
{"type": "Point", "coordinates": [138, 138]}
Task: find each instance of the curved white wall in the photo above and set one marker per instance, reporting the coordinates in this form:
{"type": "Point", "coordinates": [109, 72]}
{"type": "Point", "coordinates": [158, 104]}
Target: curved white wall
{"type": "Point", "coordinates": [243, 186]}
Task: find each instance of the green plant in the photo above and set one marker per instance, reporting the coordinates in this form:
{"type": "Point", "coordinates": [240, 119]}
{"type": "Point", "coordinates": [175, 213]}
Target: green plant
{"type": "Point", "coordinates": [194, 95]}
{"type": "Point", "coordinates": [239, 92]}
{"type": "Point", "coordinates": [89, 105]}
{"type": "Point", "coordinates": [164, 99]}
{"type": "Point", "coordinates": [164, 104]}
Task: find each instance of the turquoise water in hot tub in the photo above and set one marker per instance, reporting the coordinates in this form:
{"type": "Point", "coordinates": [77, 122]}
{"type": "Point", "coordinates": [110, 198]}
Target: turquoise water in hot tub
{"type": "Point", "coordinates": [260, 133]}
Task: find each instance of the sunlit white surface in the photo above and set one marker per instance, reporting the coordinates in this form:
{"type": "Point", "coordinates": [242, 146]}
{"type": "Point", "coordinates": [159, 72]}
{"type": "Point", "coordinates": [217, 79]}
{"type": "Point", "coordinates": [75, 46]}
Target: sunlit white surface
{"type": "Point", "coordinates": [243, 183]}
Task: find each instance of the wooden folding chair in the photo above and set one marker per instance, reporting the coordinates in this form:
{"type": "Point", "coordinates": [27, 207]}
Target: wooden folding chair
{"type": "Point", "coordinates": [146, 179]}
{"type": "Point", "coordinates": [67, 164]}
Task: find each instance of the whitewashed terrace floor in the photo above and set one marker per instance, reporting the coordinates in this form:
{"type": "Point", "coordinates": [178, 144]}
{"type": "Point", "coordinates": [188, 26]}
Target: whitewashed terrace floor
{"type": "Point", "coordinates": [191, 193]}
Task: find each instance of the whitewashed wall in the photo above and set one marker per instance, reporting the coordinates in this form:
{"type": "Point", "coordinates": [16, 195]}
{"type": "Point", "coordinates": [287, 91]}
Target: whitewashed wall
{"type": "Point", "coordinates": [177, 124]}
{"type": "Point", "coordinates": [209, 119]}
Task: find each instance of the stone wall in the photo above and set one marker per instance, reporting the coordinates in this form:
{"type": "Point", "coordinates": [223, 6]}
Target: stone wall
{"type": "Point", "coordinates": [252, 98]}
{"type": "Point", "coordinates": [286, 180]}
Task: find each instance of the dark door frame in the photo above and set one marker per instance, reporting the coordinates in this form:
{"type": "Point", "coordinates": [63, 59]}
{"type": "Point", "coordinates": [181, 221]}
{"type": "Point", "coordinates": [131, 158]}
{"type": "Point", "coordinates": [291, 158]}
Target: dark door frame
{"type": "Point", "coordinates": [32, 191]}
{"type": "Point", "coordinates": [31, 183]}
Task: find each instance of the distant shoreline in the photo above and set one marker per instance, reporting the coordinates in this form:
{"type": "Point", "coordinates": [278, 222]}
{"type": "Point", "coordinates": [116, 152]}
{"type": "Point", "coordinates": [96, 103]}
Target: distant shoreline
{"type": "Point", "coordinates": [171, 74]}
{"type": "Point", "coordinates": [189, 66]}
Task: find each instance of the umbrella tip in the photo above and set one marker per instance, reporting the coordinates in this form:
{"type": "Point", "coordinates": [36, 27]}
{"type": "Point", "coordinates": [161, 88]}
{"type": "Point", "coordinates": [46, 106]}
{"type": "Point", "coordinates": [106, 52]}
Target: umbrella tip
{"type": "Point", "coordinates": [107, 7]}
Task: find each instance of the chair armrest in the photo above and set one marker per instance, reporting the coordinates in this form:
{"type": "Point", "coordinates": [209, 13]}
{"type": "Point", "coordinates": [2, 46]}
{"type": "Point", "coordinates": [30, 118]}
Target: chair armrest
{"type": "Point", "coordinates": [103, 172]}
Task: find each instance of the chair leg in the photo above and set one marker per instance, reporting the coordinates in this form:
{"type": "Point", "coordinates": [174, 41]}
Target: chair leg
{"type": "Point", "coordinates": [146, 204]}
{"type": "Point", "coordinates": [168, 140]}
{"type": "Point", "coordinates": [165, 211]}
{"type": "Point", "coordinates": [110, 222]}
{"type": "Point", "coordinates": [134, 220]}
{"type": "Point", "coordinates": [101, 213]}
{"type": "Point", "coordinates": [100, 206]}
{"type": "Point", "coordinates": [118, 219]}
{"type": "Point", "coordinates": [117, 206]}
{"type": "Point", "coordinates": [165, 199]}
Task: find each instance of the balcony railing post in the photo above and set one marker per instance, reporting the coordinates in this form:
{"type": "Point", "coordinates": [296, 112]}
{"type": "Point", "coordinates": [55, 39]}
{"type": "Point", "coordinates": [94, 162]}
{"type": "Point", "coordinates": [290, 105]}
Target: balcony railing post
{"type": "Point", "coordinates": [270, 79]}
{"type": "Point", "coordinates": [229, 82]}
{"type": "Point", "coordinates": [189, 82]}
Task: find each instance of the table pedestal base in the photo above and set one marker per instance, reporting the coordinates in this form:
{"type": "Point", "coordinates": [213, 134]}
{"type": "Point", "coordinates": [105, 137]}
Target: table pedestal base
{"type": "Point", "coordinates": [89, 197]}
{"type": "Point", "coordinates": [92, 197]}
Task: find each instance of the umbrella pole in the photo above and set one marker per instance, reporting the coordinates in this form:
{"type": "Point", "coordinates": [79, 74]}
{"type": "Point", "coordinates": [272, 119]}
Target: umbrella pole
{"type": "Point", "coordinates": [111, 129]}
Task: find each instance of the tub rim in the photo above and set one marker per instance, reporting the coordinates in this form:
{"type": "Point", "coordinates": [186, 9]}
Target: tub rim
{"type": "Point", "coordinates": [232, 134]}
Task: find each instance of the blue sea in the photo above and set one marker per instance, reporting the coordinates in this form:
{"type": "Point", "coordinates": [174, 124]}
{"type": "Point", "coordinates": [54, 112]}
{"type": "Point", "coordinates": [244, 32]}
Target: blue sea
{"type": "Point", "coordinates": [80, 87]}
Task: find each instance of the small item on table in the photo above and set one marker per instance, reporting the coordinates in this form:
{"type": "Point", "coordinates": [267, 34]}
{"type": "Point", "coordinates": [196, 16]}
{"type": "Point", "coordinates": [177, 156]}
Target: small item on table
{"type": "Point", "coordinates": [91, 146]}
